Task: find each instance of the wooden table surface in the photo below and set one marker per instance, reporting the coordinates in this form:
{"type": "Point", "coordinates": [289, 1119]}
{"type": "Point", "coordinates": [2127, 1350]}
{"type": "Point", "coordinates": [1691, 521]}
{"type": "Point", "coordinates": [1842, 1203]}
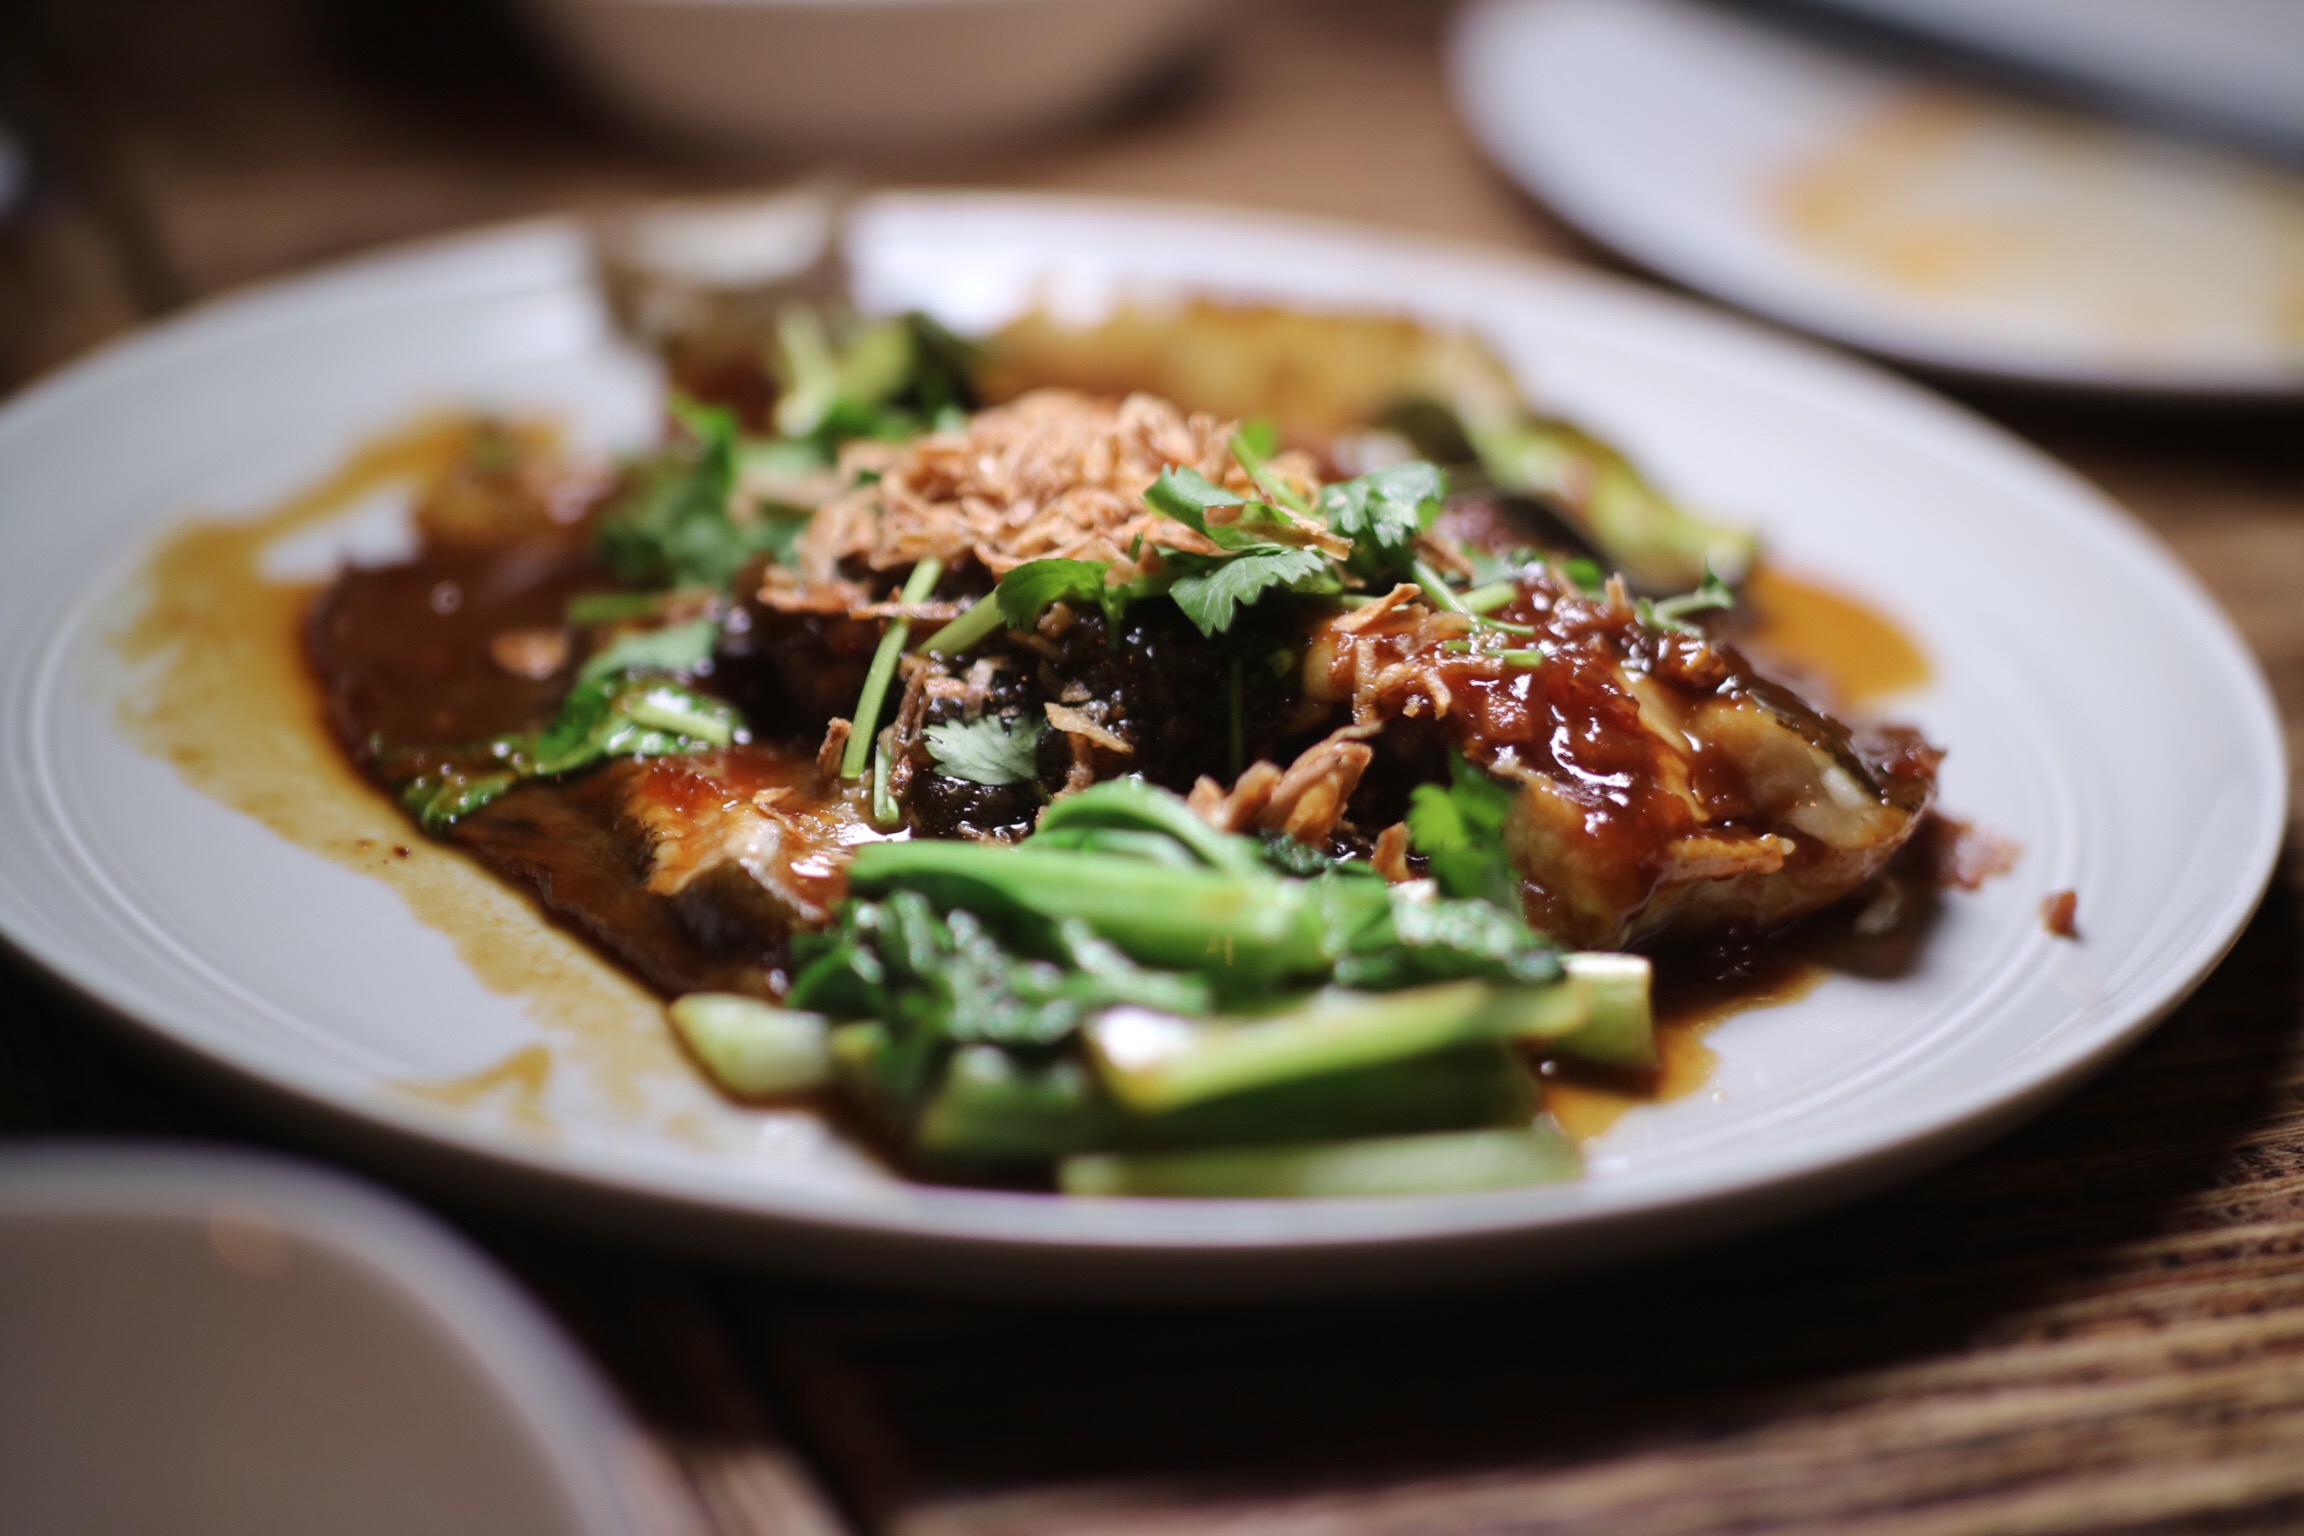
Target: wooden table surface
{"type": "Point", "coordinates": [2096, 1325]}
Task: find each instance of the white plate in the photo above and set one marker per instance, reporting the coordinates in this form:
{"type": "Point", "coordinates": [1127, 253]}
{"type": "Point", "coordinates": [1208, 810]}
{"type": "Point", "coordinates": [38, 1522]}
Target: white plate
{"type": "Point", "coordinates": [2230, 64]}
{"type": "Point", "coordinates": [221, 1344]}
{"type": "Point", "coordinates": [1951, 230]}
{"type": "Point", "coordinates": [2098, 709]}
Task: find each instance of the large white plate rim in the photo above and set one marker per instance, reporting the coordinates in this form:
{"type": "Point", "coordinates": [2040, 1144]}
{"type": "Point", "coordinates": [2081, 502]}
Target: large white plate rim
{"type": "Point", "coordinates": [1022, 1219]}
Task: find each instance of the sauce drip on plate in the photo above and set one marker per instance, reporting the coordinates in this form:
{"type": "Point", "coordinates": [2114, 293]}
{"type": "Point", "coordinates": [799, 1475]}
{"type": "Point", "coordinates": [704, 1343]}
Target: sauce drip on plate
{"type": "Point", "coordinates": [223, 694]}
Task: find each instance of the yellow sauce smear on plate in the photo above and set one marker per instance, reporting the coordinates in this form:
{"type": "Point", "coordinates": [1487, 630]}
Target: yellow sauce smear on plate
{"type": "Point", "coordinates": [224, 695]}
{"type": "Point", "coordinates": [1858, 654]}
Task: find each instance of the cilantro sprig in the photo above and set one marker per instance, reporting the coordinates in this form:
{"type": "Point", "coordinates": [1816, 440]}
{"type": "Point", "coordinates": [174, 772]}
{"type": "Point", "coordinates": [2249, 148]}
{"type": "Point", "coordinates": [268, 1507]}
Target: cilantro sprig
{"type": "Point", "coordinates": [1670, 614]}
{"type": "Point", "coordinates": [990, 750]}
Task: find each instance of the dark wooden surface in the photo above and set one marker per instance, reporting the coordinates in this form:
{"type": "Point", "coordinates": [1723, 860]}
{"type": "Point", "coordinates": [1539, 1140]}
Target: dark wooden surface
{"type": "Point", "coordinates": [2096, 1325]}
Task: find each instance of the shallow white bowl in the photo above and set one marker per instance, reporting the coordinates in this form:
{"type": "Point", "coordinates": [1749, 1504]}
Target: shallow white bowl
{"type": "Point", "coordinates": [222, 1344]}
{"type": "Point", "coordinates": [904, 75]}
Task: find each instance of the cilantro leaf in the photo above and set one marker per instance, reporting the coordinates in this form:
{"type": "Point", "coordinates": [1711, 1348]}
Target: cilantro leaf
{"type": "Point", "coordinates": [629, 715]}
{"type": "Point", "coordinates": [1212, 593]}
{"type": "Point", "coordinates": [1459, 828]}
{"type": "Point", "coordinates": [1027, 591]}
{"type": "Point", "coordinates": [674, 648]}
{"type": "Point", "coordinates": [624, 714]}
{"type": "Point", "coordinates": [1489, 568]}
{"type": "Point", "coordinates": [987, 751]}
{"type": "Point", "coordinates": [671, 526]}
{"type": "Point", "coordinates": [1385, 510]}
{"type": "Point", "coordinates": [1187, 495]}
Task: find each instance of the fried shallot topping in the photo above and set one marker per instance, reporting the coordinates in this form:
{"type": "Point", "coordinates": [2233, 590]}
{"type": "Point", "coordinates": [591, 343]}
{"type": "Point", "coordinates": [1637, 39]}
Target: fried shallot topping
{"type": "Point", "coordinates": [1050, 475]}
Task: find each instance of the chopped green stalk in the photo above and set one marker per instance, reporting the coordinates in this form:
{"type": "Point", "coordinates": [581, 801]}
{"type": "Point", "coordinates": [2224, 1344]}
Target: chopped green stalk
{"type": "Point", "coordinates": [1600, 1013]}
{"type": "Point", "coordinates": [1185, 918]}
{"type": "Point", "coordinates": [1135, 805]}
{"type": "Point", "coordinates": [979, 623]}
{"type": "Point", "coordinates": [993, 1107]}
{"type": "Point", "coordinates": [608, 607]}
{"type": "Point", "coordinates": [1153, 1062]}
{"type": "Point", "coordinates": [1389, 1165]}
{"type": "Point", "coordinates": [1487, 599]}
{"type": "Point", "coordinates": [754, 1048]}
{"type": "Point", "coordinates": [859, 1055]}
{"type": "Point", "coordinates": [885, 814]}
{"type": "Point", "coordinates": [1620, 1029]}
{"type": "Point", "coordinates": [865, 727]}
{"type": "Point", "coordinates": [1437, 592]}
{"type": "Point", "coordinates": [1451, 1090]}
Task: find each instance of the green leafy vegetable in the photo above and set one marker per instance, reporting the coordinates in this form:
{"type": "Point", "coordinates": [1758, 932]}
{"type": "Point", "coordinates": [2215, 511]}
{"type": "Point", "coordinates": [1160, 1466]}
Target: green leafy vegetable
{"type": "Point", "coordinates": [1459, 828]}
{"type": "Point", "coordinates": [846, 377]}
{"type": "Point", "coordinates": [674, 648]}
{"type": "Point", "coordinates": [1062, 996]}
{"type": "Point", "coordinates": [986, 751]}
{"type": "Point", "coordinates": [752, 1047]}
{"type": "Point", "coordinates": [672, 526]}
{"type": "Point", "coordinates": [624, 714]}
{"type": "Point", "coordinates": [1393, 1165]}
{"type": "Point", "coordinates": [1189, 496]}
{"type": "Point", "coordinates": [628, 715]}
{"type": "Point", "coordinates": [1652, 538]}
{"type": "Point", "coordinates": [1213, 590]}
{"type": "Point", "coordinates": [1028, 591]}
{"type": "Point", "coordinates": [1383, 513]}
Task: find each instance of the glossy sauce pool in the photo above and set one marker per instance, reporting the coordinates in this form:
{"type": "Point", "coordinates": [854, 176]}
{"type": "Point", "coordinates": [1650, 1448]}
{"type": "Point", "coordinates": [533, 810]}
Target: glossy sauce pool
{"type": "Point", "coordinates": [231, 703]}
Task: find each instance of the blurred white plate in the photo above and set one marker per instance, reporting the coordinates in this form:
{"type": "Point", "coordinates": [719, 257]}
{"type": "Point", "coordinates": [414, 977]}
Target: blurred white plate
{"type": "Point", "coordinates": [2097, 706]}
{"type": "Point", "coordinates": [218, 1344]}
{"type": "Point", "coordinates": [1947, 229]}
{"type": "Point", "coordinates": [2231, 64]}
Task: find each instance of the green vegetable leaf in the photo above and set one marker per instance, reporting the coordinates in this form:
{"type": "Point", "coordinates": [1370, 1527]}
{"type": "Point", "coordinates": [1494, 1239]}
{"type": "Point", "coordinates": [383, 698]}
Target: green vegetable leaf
{"type": "Point", "coordinates": [1489, 568]}
{"type": "Point", "coordinates": [674, 648]}
{"type": "Point", "coordinates": [1428, 941]}
{"type": "Point", "coordinates": [1215, 589]}
{"type": "Point", "coordinates": [848, 377]}
{"type": "Point", "coordinates": [672, 525]}
{"type": "Point", "coordinates": [1027, 591]}
{"type": "Point", "coordinates": [631, 714]}
{"type": "Point", "coordinates": [986, 751]}
{"type": "Point", "coordinates": [622, 714]}
{"type": "Point", "coordinates": [1383, 512]}
{"type": "Point", "coordinates": [1459, 828]}
{"type": "Point", "coordinates": [1187, 496]}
